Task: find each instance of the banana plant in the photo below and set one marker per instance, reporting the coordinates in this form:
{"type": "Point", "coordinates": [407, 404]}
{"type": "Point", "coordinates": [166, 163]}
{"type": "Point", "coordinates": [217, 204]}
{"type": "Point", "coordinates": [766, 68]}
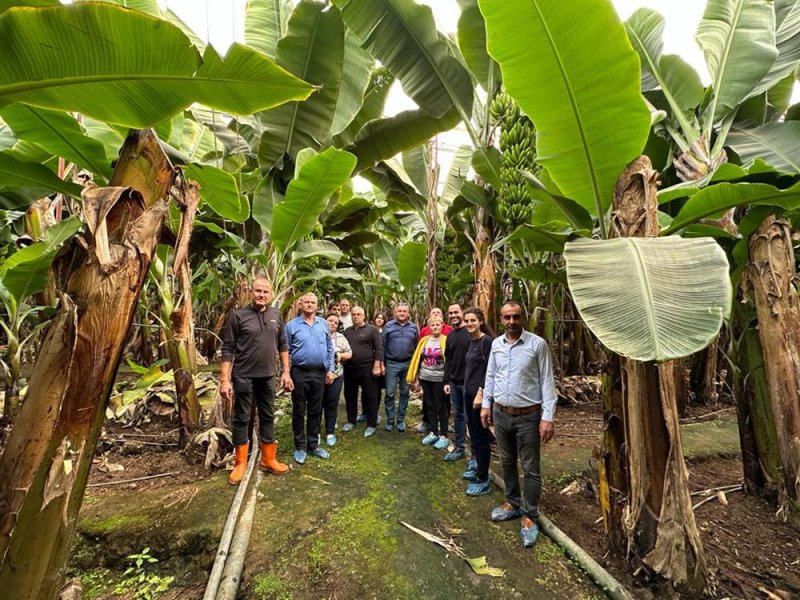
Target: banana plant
{"type": "Point", "coordinates": [752, 49]}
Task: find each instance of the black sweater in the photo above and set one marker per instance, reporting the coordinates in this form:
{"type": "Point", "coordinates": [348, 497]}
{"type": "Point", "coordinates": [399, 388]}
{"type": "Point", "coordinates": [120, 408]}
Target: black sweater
{"type": "Point", "coordinates": [252, 340]}
{"type": "Point", "coordinates": [475, 364]}
{"type": "Point", "coordinates": [365, 341]}
{"type": "Point", "coordinates": [454, 352]}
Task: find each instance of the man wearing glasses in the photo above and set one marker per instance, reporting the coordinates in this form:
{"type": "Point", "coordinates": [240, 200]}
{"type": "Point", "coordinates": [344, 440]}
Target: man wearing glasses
{"type": "Point", "coordinates": [519, 397]}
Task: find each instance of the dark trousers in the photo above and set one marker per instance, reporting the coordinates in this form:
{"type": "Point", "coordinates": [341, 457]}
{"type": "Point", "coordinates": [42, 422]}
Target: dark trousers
{"type": "Point", "coordinates": [245, 390]}
{"type": "Point", "coordinates": [479, 438]}
{"type": "Point", "coordinates": [356, 377]}
{"type": "Point", "coordinates": [436, 402]}
{"type": "Point", "coordinates": [330, 404]}
{"type": "Point", "coordinates": [309, 388]}
{"type": "Point", "coordinates": [518, 436]}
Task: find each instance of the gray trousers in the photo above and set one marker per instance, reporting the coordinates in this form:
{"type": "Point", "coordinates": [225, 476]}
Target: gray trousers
{"type": "Point", "coordinates": [518, 437]}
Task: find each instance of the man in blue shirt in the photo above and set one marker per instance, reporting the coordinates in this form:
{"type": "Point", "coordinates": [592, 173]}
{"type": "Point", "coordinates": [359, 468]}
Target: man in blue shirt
{"type": "Point", "coordinates": [519, 396]}
{"type": "Point", "coordinates": [399, 339]}
{"type": "Point", "coordinates": [311, 353]}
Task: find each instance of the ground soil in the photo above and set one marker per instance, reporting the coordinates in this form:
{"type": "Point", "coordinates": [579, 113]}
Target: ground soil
{"type": "Point", "coordinates": [332, 529]}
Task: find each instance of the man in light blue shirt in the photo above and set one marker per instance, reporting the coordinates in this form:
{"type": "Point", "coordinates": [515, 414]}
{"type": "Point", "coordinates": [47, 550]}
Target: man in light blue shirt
{"type": "Point", "coordinates": [519, 396]}
{"type": "Point", "coordinates": [399, 340]}
{"type": "Point", "coordinates": [311, 354]}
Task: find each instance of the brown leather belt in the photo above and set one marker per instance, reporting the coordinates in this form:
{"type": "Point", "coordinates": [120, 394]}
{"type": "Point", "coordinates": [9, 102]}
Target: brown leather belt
{"type": "Point", "coordinates": [515, 410]}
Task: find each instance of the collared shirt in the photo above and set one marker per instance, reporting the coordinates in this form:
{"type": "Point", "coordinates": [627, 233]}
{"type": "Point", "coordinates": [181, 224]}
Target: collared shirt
{"type": "Point", "coordinates": [399, 341]}
{"type": "Point", "coordinates": [252, 340]}
{"type": "Point", "coordinates": [310, 345]}
{"type": "Point", "coordinates": [520, 374]}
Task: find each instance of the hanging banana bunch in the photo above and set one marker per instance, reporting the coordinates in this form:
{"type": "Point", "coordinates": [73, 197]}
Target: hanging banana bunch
{"type": "Point", "coordinates": [518, 152]}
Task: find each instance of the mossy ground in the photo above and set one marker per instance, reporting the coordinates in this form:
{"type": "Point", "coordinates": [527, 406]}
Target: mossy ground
{"type": "Point", "coordinates": [331, 529]}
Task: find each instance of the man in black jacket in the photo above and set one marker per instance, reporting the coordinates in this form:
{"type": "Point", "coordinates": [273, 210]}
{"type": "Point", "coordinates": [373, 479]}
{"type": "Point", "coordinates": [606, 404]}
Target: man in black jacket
{"type": "Point", "coordinates": [361, 370]}
{"type": "Point", "coordinates": [454, 353]}
{"type": "Point", "coordinates": [252, 340]}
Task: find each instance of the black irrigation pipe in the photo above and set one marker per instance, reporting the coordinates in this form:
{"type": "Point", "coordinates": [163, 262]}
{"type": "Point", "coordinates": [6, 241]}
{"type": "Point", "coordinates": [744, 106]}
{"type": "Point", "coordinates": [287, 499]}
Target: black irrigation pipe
{"type": "Point", "coordinates": [605, 580]}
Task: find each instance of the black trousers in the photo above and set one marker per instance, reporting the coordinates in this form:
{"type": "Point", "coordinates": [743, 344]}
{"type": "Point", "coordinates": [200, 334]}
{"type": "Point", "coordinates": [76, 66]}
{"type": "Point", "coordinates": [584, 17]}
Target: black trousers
{"type": "Point", "coordinates": [330, 404]}
{"type": "Point", "coordinates": [479, 438]}
{"type": "Point", "coordinates": [245, 390]}
{"type": "Point", "coordinates": [435, 402]}
{"type": "Point", "coordinates": [356, 377]}
{"type": "Point", "coordinates": [309, 388]}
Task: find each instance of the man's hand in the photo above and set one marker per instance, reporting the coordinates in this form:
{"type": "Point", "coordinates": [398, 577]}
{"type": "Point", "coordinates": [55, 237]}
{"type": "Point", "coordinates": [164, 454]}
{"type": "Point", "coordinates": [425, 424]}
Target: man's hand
{"type": "Point", "coordinates": [377, 370]}
{"type": "Point", "coordinates": [486, 417]}
{"type": "Point", "coordinates": [329, 377]}
{"type": "Point", "coordinates": [383, 369]}
{"type": "Point", "coordinates": [226, 391]}
{"type": "Point", "coordinates": [447, 389]}
{"type": "Point", "coordinates": [286, 382]}
{"type": "Point", "coordinates": [547, 430]}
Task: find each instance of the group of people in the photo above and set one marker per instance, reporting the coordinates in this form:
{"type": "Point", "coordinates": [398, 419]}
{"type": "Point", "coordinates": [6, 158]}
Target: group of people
{"type": "Point", "coordinates": [461, 367]}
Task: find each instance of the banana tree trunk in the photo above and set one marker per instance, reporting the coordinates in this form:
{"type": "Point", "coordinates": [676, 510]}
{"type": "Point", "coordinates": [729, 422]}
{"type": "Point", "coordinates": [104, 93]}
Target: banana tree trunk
{"type": "Point", "coordinates": [484, 294]}
{"type": "Point", "coordinates": [758, 436]}
{"type": "Point", "coordinates": [658, 521]}
{"type": "Point", "coordinates": [432, 223]}
{"type": "Point", "coordinates": [769, 278]}
{"type": "Point", "coordinates": [46, 463]}
{"type": "Point", "coordinates": [12, 373]}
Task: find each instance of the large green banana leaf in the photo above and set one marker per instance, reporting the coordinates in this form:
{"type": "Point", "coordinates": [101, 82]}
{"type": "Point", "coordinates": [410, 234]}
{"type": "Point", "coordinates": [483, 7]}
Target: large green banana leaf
{"type": "Point", "coordinates": [219, 190]}
{"type": "Point", "coordinates": [778, 144]}
{"type": "Point", "coordinates": [715, 199]}
{"type": "Point", "coordinates": [472, 43]}
{"type": "Point", "coordinates": [679, 83]}
{"type": "Point", "coordinates": [27, 271]}
{"type": "Point", "coordinates": [125, 67]}
{"type": "Point", "coordinates": [383, 138]}
{"type": "Point", "coordinates": [416, 168]}
{"type": "Point", "coordinates": [386, 256]}
{"type": "Point", "coordinates": [787, 40]}
{"type": "Point", "coordinates": [402, 35]}
{"type": "Point", "coordinates": [356, 77]}
{"type": "Point", "coordinates": [650, 298]}
{"type": "Point", "coordinates": [411, 260]}
{"type": "Point", "coordinates": [372, 107]}
{"type": "Point", "coordinates": [15, 173]}
{"type": "Point", "coordinates": [738, 40]}
{"type": "Point", "coordinates": [317, 248]}
{"type": "Point", "coordinates": [313, 50]}
{"type": "Point", "coordinates": [265, 23]}
{"type": "Point", "coordinates": [307, 196]}
{"type": "Point", "coordinates": [58, 133]}
{"type": "Point", "coordinates": [571, 68]}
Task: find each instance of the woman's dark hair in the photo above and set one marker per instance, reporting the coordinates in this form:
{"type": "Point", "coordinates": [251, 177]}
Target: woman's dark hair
{"type": "Point", "coordinates": [333, 314]}
{"type": "Point", "coordinates": [381, 315]}
{"type": "Point", "coordinates": [478, 312]}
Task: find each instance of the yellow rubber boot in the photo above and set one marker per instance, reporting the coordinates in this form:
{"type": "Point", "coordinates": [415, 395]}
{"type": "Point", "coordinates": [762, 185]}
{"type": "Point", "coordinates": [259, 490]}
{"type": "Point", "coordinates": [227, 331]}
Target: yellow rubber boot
{"type": "Point", "coordinates": [239, 465]}
{"type": "Point", "coordinates": [269, 462]}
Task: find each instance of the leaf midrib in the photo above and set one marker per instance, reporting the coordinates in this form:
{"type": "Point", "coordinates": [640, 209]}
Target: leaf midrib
{"type": "Point", "coordinates": [328, 168]}
{"type": "Point", "coordinates": [86, 160]}
{"type": "Point", "coordinates": [647, 293]}
{"type": "Point", "coordinates": [723, 63]}
{"type": "Point", "coordinates": [748, 134]}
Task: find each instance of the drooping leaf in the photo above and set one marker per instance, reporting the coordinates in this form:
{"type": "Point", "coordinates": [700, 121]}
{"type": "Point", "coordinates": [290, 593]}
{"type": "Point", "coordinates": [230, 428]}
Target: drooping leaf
{"type": "Point", "coordinates": [738, 41]}
{"type": "Point", "coordinates": [265, 197]}
{"type": "Point", "coordinates": [486, 162]}
{"type": "Point", "coordinates": [715, 199]}
{"type": "Point", "coordinates": [537, 238]}
{"type": "Point", "coordinates": [371, 108]}
{"type": "Point", "coordinates": [583, 97]}
{"type": "Point", "coordinates": [457, 175]}
{"type": "Point", "coordinates": [27, 271]}
{"type": "Point", "coordinates": [576, 215]}
{"type": "Point", "coordinates": [778, 144]}
{"type": "Point", "coordinates": [317, 248]}
{"type": "Point", "coordinates": [383, 138]}
{"type": "Point", "coordinates": [386, 255]}
{"type": "Point", "coordinates": [219, 190]}
{"type": "Point", "coordinates": [313, 50]}
{"type": "Point", "coordinates": [265, 23]}
{"type": "Point", "coordinates": [411, 260]}
{"type": "Point", "coordinates": [402, 35]}
{"type": "Point", "coordinates": [356, 76]}
{"type": "Point", "coordinates": [319, 274]}
{"type": "Point", "coordinates": [127, 67]}
{"type": "Point", "coordinates": [308, 194]}
{"type": "Point", "coordinates": [19, 174]}
{"type": "Point", "coordinates": [472, 43]}
{"type": "Point", "coordinates": [58, 133]}
{"type": "Point", "coordinates": [787, 41]}
{"type": "Point", "coordinates": [676, 294]}
{"type": "Point", "coordinates": [416, 164]}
